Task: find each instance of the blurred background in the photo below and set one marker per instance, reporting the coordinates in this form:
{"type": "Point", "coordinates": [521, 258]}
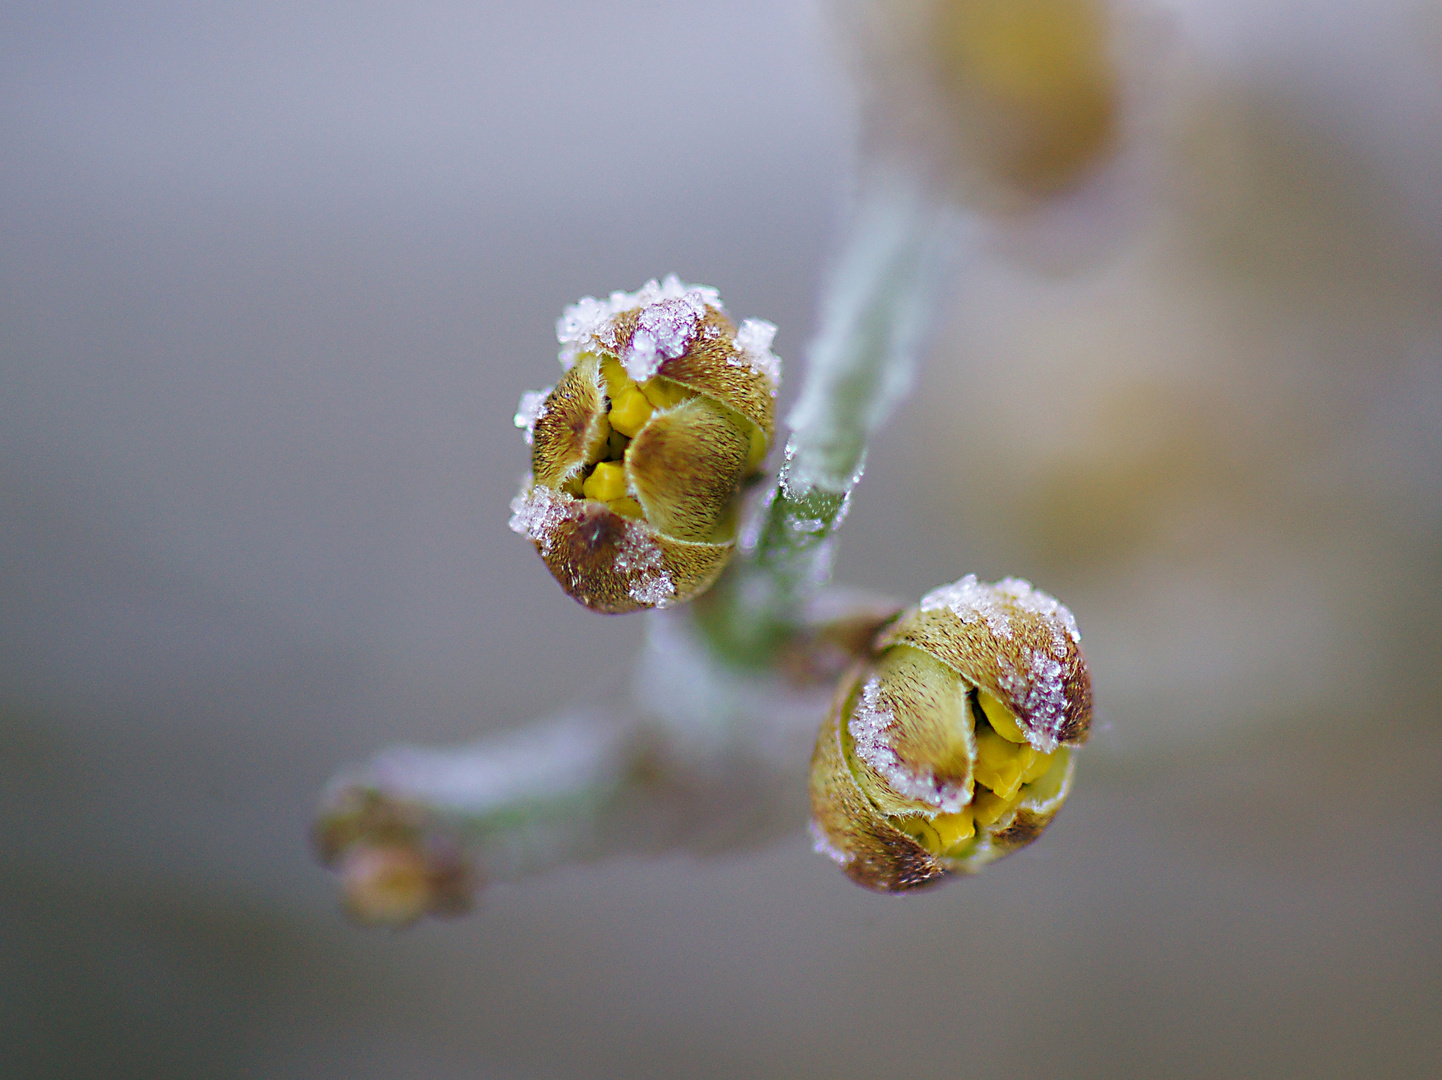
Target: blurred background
{"type": "Point", "coordinates": [272, 278]}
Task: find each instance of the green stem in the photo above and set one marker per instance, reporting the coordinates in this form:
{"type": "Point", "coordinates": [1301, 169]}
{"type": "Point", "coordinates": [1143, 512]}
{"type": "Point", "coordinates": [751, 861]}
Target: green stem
{"type": "Point", "coordinates": [877, 307]}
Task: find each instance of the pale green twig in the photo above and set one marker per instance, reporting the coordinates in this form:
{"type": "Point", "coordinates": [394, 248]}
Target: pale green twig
{"type": "Point", "coordinates": [874, 315]}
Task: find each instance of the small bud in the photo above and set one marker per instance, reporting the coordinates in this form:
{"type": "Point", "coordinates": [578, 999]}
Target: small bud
{"type": "Point", "coordinates": [951, 745]}
{"type": "Point", "coordinates": [638, 454]}
{"type": "Point", "coordinates": [394, 862]}
{"type": "Point", "coordinates": [384, 886]}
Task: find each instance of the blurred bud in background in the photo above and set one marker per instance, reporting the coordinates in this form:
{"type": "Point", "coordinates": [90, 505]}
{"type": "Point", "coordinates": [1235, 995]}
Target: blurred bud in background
{"type": "Point", "coordinates": [1221, 446]}
{"type": "Point", "coordinates": [1013, 109]}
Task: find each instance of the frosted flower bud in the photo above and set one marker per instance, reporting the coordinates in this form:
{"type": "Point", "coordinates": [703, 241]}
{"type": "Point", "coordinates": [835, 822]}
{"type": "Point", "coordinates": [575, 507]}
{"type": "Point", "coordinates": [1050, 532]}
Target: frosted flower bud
{"type": "Point", "coordinates": [639, 453]}
{"type": "Point", "coordinates": [951, 745]}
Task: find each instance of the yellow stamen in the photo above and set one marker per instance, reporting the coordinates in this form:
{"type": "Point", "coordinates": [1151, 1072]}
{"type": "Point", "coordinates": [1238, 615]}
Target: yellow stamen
{"type": "Point", "coordinates": [628, 507]}
{"type": "Point", "coordinates": [939, 835]}
{"type": "Point", "coordinates": [629, 411]}
{"type": "Point", "coordinates": [920, 830]}
{"type": "Point", "coordinates": [1038, 767]}
{"type": "Point", "coordinates": [614, 375]}
{"type": "Point", "coordinates": [607, 482]}
{"type": "Point", "coordinates": [1000, 764]}
{"type": "Point", "coordinates": [1001, 719]}
{"type": "Point", "coordinates": [953, 830]}
{"type": "Point", "coordinates": [989, 807]}
{"type": "Point", "coordinates": [664, 394]}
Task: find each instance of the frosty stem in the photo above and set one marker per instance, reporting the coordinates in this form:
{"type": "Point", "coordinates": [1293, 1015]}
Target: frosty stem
{"type": "Point", "coordinates": [875, 311]}
{"type": "Point", "coordinates": [692, 757]}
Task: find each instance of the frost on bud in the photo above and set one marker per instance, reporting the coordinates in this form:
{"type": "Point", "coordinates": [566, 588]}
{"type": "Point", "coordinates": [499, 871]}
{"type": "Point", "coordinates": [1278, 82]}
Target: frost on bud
{"type": "Point", "coordinates": [638, 454]}
{"type": "Point", "coordinates": [951, 745]}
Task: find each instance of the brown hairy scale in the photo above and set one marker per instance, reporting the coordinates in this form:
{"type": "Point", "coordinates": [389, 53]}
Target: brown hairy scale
{"type": "Point", "coordinates": [928, 728]}
{"type": "Point", "coordinates": [972, 651]}
{"type": "Point", "coordinates": [880, 856]}
{"type": "Point", "coordinates": [686, 464]}
{"type": "Point", "coordinates": [571, 432]}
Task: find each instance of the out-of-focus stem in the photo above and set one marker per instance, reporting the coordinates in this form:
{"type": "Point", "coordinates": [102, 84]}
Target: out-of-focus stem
{"type": "Point", "coordinates": [693, 756]}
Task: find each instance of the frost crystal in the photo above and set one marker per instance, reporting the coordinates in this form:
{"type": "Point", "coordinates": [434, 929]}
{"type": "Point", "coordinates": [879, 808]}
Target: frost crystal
{"type": "Point", "coordinates": [969, 601]}
{"type": "Point", "coordinates": [536, 513]}
{"type": "Point", "coordinates": [753, 342]}
{"type": "Point", "coordinates": [639, 556]}
{"type": "Point", "coordinates": [1040, 694]}
{"type": "Point", "coordinates": [1039, 603]}
{"type": "Point", "coordinates": [869, 728]}
{"type": "Point", "coordinates": [532, 406]}
{"type": "Point", "coordinates": [663, 332]}
{"type": "Point", "coordinates": [589, 321]}
{"type": "Point", "coordinates": [823, 846]}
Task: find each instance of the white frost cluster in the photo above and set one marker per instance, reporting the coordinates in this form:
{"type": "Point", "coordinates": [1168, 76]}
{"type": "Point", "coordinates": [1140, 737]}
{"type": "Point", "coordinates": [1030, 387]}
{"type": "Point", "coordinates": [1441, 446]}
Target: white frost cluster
{"type": "Point", "coordinates": [1039, 691]}
{"type": "Point", "coordinates": [532, 406]}
{"type": "Point", "coordinates": [586, 322]}
{"type": "Point", "coordinates": [536, 513]}
{"type": "Point", "coordinates": [969, 600]}
{"type": "Point", "coordinates": [663, 332]}
{"type": "Point", "coordinates": [753, 342]}
{"type": "Point", "coordinates": [639, 556]}
{"type": "Point", "coordinates": [1039, 694]}
{"type": "Point", "coordinates": [1057, 614]}
{"type": "Point", "coordinates": [870, 727]}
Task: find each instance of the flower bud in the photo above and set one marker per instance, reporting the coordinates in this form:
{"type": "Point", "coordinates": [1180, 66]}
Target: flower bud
{"type": "Point", "coordinates": [394, 885]}
{"type": "Point", "coordinates": [638, 454]}
{"type": "Point", "coordinates": [1009, 102]}
{"type": "Point", "coordinates": [950, 746]}
{"type": "Point", "coordinates": [394, 860]}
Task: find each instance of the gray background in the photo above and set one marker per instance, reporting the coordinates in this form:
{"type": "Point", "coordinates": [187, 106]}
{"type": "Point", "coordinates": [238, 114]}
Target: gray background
{"type": "Point", "coordinates": [272, 278]}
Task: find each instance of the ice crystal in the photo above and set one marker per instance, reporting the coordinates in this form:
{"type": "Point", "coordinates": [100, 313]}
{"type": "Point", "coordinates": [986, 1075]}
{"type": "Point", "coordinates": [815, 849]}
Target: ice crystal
{"type": "Point", "coordinates": [664, 331]}
{"type": "Point", "coordinates": [536, 512]}
{"type": "Point", "coordinates": [968, 601]}
{"type": "Point", "coordinates": [638, 556]}
{"type": "Point", "coordinates": [531, 408]}
{"type": "Point", "coordinates": [1057, 615]}
{"type": "Point", "coordinates": [870, 728]}
{"type": "Point", "coordinates": [753, 342]}
{"type": "Point", "coordinates": [1039, 694]}
{"type": "Point", "coordinates": [588, 321]}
